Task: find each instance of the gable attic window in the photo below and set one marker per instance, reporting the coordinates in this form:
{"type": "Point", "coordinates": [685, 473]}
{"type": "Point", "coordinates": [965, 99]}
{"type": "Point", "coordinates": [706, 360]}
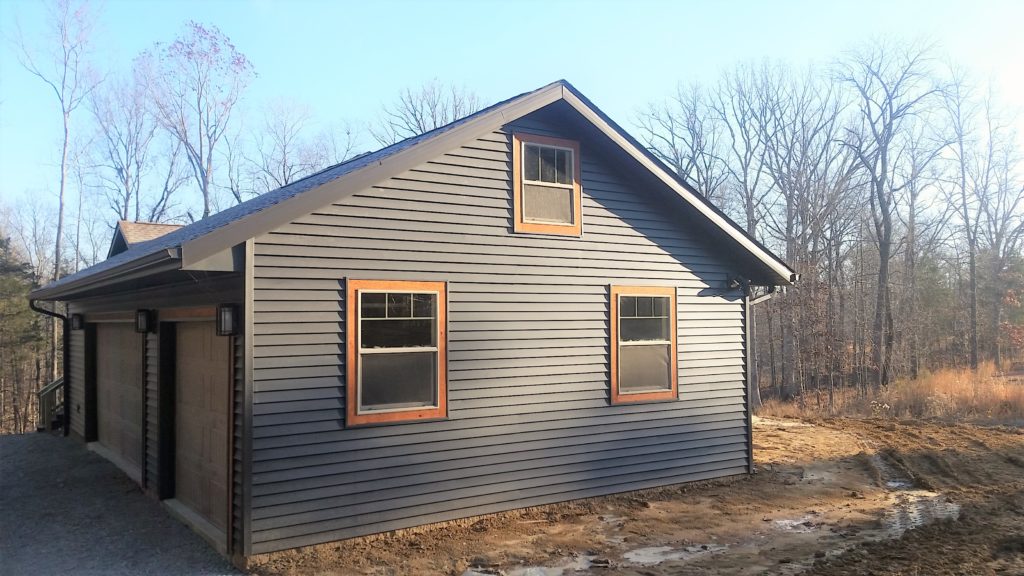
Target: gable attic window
{"type": "Point", "coordinates": [546, 193]}
{"type": "Point", "coordinates": [396, 351]}
{"type": "Point", "coordinates": [643, 343]}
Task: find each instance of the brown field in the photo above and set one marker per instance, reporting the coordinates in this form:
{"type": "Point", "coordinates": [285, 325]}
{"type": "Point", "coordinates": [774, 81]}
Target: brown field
{"type": "Point", "coordinates": [985, 396]}
{"type": "Point", "coordinates": [832, 496]}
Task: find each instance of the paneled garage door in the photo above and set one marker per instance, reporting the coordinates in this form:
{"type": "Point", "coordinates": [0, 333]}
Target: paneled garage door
{"type": "Point", "coordinates": [119, 394]}
{"type": "Point", "coordinates": [202, 407]}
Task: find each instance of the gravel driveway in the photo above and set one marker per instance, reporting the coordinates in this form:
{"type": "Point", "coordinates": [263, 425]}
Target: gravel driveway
{"type": "Point", "coordinates": [65, 510]}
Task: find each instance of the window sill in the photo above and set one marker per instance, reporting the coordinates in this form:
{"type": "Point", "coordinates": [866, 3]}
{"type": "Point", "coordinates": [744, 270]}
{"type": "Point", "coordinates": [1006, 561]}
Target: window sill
{"type": "Point", "coordinates": [644, 397]}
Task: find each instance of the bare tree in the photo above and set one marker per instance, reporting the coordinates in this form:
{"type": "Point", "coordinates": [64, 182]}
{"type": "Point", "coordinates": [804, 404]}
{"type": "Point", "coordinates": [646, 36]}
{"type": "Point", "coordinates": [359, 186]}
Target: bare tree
{"type": "Point", "coordinates": [125, 131]}
{"type": "Point", "coordinates": [61, 64]}
{"type": "Point", "coordinates": [285, 151]}
{"type": "Point", "coordinates": [684, 132]}
{"type": "Point", "coordinates": [892, 85]}
{"type": "Point", "coordinates": [811, 175]}
{"type": "Point", "coordinates": [281, 155]}
{"type": "Point", "coordinates": [420, 110]}
{"type": "Point", "coordinates": [990, 201]}
{"type": "Point", "coordinates": [174, 177]}
{"type": "Point", "coordinates": [917, 168]}
{"type": "Point", "coordinates": [194, 84]}
{"type": "Point", "coordinates": [743, 103]}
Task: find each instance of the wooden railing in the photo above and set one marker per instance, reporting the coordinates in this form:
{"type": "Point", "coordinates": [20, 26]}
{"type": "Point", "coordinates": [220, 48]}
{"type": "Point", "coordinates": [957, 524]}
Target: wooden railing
{"type": "Point", "coordinates": [50, 403]}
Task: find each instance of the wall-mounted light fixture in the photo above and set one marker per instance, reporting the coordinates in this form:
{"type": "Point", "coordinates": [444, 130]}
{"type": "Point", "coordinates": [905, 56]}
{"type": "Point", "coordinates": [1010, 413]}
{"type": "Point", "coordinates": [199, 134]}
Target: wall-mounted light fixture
{"type": "Point", "coordinates": [227, 319]}
{"type": "Point", "coordinates": [144, 321]}
{"type": "Point", "coordinates": [77, 321]}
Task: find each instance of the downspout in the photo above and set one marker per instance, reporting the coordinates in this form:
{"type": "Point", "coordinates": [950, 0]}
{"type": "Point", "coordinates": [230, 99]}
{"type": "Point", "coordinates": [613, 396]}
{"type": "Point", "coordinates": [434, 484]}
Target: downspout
{"type": "Point", "coordinates": [66, 339]}
{"type": "Point", "coordinates": [748, 305]}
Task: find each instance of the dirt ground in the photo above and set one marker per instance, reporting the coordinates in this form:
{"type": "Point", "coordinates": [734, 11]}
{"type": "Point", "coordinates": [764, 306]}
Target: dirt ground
{"type": "Point", "coordinates": [831, 497]}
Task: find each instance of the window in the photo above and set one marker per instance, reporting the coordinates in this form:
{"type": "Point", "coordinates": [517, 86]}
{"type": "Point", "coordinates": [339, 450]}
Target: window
{"type": "Point", "coordinates": [396, 351]}
{"type": "Point", "coordinates": [546, 185]}
{"type": "Point", "coordinates": [643, 341]}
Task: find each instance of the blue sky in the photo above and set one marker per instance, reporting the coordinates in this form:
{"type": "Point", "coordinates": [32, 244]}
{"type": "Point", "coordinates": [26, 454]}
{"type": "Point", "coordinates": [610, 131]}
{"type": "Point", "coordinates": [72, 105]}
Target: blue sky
{"type": "Point", "coordinates": [343, 59]}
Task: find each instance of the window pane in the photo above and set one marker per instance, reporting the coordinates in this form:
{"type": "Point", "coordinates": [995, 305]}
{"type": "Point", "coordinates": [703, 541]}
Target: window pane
{"type": "Point", "coordinates": [547, 204]}
{"type": "Point", "coordinates": [373, 305]}
{"type": "Point", "coordinates": [644, 368]}
{"type": "Point", "coordinates": [400, 333]}
{"type": "Point", "coordinates": [402, 380]}
{"type": "Point", "coordinates": [627, 306]}
{"type": "Point", "coordinates": [641, 329]}
{"type": "Point", "coordinates": [531, 162]}
{"type": "Point", "coordinates": [399, 305]}
{"type": "Point", "coordinates": [547, 164]}
{"type": "Point", "coordinates": [661, 306]}
{"type": "Point", "coordinates": [561, 166]}
{"type": "Point", "coordinates": [423, 305]}
{"type": "Point", "coordinates": [644, 306]}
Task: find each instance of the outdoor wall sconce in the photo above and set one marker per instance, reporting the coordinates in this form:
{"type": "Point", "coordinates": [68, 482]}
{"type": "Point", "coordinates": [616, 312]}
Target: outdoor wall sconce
{"type": "Point", "coordinates": [227, 319]}
{"type": "Point", "coordinates": [143, 321]}
{"type": "Point", "coordinates": [77, 321]}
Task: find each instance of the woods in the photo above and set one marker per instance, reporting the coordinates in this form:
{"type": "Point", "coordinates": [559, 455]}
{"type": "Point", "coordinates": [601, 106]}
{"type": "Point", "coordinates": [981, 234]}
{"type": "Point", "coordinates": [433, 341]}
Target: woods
{"type": "Point", "coordinates": [895, 188]}
{"type": "Point", "coordinates": [887, 176]}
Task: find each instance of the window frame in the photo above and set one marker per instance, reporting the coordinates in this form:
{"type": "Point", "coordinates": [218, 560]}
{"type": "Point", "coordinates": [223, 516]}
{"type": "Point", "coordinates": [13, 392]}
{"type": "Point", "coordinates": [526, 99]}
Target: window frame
{"type": "Point", "coordinates": [672, 393]}
{"type": "Point", "coordinates": [520, 224]}
{"type": "Point", "coordinates": [353, 358]}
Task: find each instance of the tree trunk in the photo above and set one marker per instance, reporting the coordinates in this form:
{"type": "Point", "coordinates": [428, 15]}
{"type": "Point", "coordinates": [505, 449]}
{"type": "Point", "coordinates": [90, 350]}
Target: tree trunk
{"type": "Point", "coordinates": [972, 297]}
{"type": "Point", "coordinates": [57, 252]}
{"type": "Point", "coordinates": [997, 312]}
{"type": "Point", "coordinates": [878, 340]}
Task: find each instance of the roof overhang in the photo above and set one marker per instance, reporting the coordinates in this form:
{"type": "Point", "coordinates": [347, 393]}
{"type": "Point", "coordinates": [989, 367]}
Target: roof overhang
{"type": "Point", "coordinates": [160, 261]}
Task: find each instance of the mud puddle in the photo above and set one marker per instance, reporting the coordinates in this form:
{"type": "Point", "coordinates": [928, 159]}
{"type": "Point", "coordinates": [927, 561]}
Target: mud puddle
{"type": "Point", "coordinates": [574, 564]}
{"type": "Point", "coordinates": [911, 507]}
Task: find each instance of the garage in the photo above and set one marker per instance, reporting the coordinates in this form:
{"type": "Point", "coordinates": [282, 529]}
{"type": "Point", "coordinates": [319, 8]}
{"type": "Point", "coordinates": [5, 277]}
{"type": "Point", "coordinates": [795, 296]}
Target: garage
{"type": "Point", "coordinates": [202, 440]}
{"type": "Point", "coordinates": [119, 395]}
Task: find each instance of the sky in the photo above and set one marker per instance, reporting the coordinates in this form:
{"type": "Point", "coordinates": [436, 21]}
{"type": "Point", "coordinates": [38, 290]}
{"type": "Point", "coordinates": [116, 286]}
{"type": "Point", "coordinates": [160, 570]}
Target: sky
{"type": "Point", "coordinates": [345, 59]}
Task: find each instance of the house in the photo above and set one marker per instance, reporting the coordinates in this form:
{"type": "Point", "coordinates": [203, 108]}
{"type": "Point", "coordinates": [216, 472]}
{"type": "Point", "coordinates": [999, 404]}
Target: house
{"type": "Point", "coordinates": [522, 307]}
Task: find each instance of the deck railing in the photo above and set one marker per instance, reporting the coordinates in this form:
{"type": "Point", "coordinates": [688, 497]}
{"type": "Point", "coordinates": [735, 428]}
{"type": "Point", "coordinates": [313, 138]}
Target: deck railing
{"type": "Point", "coordinates": [49, 404]}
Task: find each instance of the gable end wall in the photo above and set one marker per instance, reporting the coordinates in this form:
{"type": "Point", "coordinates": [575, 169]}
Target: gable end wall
{"type": "Point", "coordinates": [529, 416]}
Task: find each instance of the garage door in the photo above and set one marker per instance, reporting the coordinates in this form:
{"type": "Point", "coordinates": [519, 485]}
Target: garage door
{"type": "Point", "coordinates": [119, 394]}
{"type": "Point", "coordinates": [201, 445]}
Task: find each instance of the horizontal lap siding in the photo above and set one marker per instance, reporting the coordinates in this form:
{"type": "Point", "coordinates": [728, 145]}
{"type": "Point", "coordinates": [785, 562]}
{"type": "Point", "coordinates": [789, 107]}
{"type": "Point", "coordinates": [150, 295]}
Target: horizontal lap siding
{"type": "Point", "coordinates": [152, 397]}
{"type": "Point", "coordinates": [238, 444]}
{"type": "Point", "coordinates": [76, 372]}
{"type": "Point", "coordinates": [529, 420]}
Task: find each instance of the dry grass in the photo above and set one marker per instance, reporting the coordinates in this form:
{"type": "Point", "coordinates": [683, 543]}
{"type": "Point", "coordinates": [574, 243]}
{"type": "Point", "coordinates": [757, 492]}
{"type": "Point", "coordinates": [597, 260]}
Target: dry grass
{"type": "Point", "coordinates": [956, 394]}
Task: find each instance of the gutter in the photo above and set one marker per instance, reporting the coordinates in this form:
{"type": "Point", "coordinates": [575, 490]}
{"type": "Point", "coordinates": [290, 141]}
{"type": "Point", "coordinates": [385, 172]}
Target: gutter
{"type": "Point", "coordinates": [159, 261]}
{"type": "Point", "coordinates": [66, 339]}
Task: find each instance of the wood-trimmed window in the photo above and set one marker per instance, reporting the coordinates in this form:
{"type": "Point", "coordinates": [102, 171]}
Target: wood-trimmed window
{"type": "Point", "coordinates": [643, 344]}
{"type": "Point", "coordinates": [396, 343]}
{"type": "Point", "coordinates": [546, 191]}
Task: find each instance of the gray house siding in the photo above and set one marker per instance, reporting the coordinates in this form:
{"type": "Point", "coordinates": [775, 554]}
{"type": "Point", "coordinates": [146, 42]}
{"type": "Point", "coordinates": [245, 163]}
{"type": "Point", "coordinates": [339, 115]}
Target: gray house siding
{"type": "Point", "coordinates": [151, 411]}
{"type": "Point", "coordinates": [529, 416]}
{"type": "Point", "coordinates": [76, 373]}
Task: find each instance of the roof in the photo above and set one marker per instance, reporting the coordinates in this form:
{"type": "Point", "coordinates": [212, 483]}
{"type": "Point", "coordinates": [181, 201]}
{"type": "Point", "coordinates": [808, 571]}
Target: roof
{"type": "Point", "coordinates": [135, 232]}
{"type": "Point", "coordinates": [195, 242]}
{"type": "Point", "coordinates": [127, 233]}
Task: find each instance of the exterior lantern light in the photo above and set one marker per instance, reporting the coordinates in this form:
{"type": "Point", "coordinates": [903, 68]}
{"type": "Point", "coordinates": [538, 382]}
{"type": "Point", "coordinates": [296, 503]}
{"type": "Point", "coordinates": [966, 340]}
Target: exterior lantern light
{"type": "Point", "coordinates": [143, 321]}
{"type": "Point", "coordinates": [227, 319]}
{"type": "Point", "coordinates": [77, 321]}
